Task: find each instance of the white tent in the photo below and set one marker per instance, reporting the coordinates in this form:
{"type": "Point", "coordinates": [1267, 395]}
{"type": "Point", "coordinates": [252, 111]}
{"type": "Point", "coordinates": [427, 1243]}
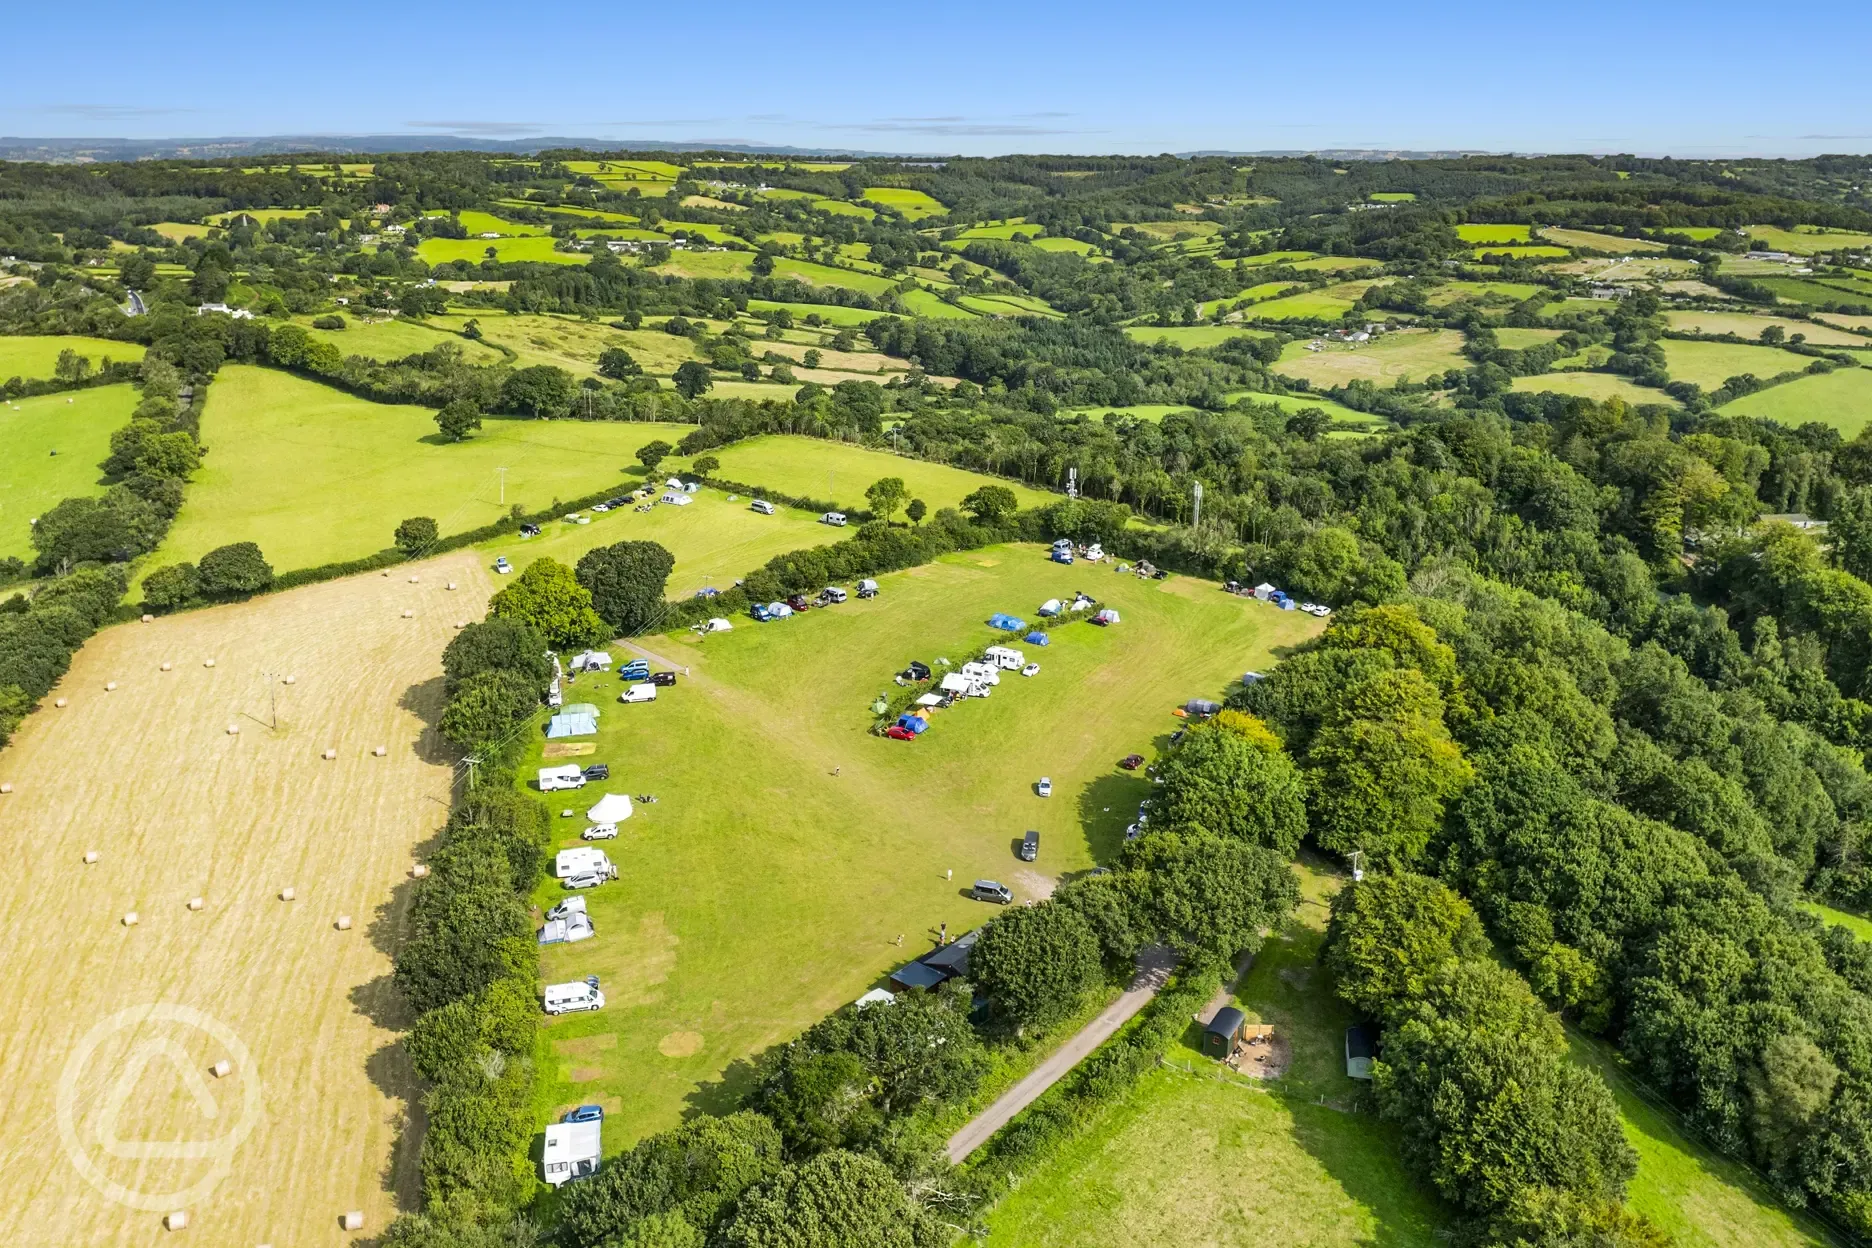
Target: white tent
{"type": "Point", "coordinates": [955, 682]}
{"type": "Point", "coordinates": [877, 996]}
{"type": "Point", "coordinates": [717, 625]}
{"type": "Point", "coordinates": [611, 808]}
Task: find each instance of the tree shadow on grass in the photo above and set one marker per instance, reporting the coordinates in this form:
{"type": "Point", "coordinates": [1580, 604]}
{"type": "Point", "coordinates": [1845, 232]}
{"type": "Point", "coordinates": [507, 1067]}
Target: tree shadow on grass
{"type": "Point", "coordinates": [1107, 806]}
{"type": "Point", "coordinates": [425, 701]}
{"type": "Point", "coordinates": [728, 1091]}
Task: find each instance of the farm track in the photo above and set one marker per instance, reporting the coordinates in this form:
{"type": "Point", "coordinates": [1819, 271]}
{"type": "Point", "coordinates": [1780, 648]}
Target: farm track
{"type": "Point", "coordinates": [149, 777]}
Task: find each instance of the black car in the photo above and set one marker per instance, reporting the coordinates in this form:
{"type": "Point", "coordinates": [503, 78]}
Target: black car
{"type": "Point", "coordinates": [917, 671]}
{"type": "Point", "coordinates": [598, 771]}
{"type": "Point", "coordinates": [663, 678]}
{"type": "Point", "coordinates": [529, 530]}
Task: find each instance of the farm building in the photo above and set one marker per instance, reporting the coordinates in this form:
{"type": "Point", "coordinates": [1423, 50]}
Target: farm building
{"type": "Point", "coordinates": [572, 1150]}
{"type": "Point", "coordinates": [1361, 1045]}
{"type": "Point", "coordinates": [938, 966]}
{"type": "Point", "coordinates": [916, 975]}
{"type": "Point", "coordinates": [1220, 1036]}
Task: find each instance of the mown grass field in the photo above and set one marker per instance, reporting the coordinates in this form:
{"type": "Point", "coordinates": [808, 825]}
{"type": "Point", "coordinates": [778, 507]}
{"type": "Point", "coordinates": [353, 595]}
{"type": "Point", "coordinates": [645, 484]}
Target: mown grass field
{"type": "Point", "coordinates": [830, 313]}
{"type": "Point", "coordinates": [487, 223]}
{"type": "Point", "coordinates": [1407, 353]}
{"type": "Point", "coordinates": [1535, 251]}
{"type": "Point", "coordinates": [914, 205]}
{"type": "Point", "coordinates": [535, 250]}
{"type": "Point", "coordinates": [1596, 386]}
{"type": "Point", "coordinates": [760, 893]}
{"type": "Point", "coordinates": [1709, 364]}
{"type": "Point", "coordinates": [574, 345]}
{"type": "Point", "coordinates": [808, 468]}
{"type": "Point", "coordinates": [1747, 325]}
{"type": "Point", "coordinates": [1846, 319]}
{"type": "Point", "coordinates": [1198, 1156]}
{"type": "Point", "coordinates": [1286, 402]}
{"type": "Point", "coordinates": [1809, 240]}
{"type": "Point", "coordinates": [1308, 305]}
{"type": "Point", "coordinates": [52, 449]}
{"type": "Point", "coordinates": [1451, 292]}
{"type": "Point", "coordinates": [315, 476]}
{"type": "Point", "coordinates": [394, 339]}
{"type": "Point", "coordinates": [1842, 399]}
{"type": "Point", "coordinates": [33, 356]}
{"type": "Point", "coordinates": [1483, 233]}
{"type": "Point", "coordinates": [1511, 339]}
{"type": "Point", "coordinates": [1591, 240]}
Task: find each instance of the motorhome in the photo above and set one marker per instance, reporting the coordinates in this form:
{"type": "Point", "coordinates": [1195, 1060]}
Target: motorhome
{"type": "Point", "coordinates": [1005, 658]}
{"type": "Point", "coordinates": [579, 859]}
{"type": "Point", "coordinates": [570, 998]}
{"type": "Point", "coordinates": [569, 776]}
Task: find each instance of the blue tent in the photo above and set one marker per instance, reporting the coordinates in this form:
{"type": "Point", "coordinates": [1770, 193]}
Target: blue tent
{"type": "Point", "coordinates": [913, 723]}
{"type": "Point", "coordinates": [1012, 623]}
{"type": "Point", "coordinates": [1037, 638]}
{"type": "Point", "coordinates": [572, 726]}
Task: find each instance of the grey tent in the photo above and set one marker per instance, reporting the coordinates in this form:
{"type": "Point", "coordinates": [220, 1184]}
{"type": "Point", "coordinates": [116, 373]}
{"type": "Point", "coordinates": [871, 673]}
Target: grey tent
{"type": "Point", "coordinates": [566, 725]}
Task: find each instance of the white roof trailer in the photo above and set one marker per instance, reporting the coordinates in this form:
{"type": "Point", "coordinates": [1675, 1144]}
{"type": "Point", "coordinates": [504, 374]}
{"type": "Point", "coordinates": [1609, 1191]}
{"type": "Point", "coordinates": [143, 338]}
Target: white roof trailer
{"type": "Point", "coordinates": [572, 1150]}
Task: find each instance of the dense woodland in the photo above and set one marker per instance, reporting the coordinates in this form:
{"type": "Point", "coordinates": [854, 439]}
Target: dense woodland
{"type": "Point", "coordinates": [1594, 722]}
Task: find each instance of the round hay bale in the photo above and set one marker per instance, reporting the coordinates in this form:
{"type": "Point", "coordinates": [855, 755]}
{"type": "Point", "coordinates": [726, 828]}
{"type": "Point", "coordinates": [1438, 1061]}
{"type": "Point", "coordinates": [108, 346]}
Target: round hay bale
{"type": "Point", "coordinates": [380, 751]}
{"type": "Point", "coordinates": [354, 1220]}
{"type": "Point", "coordinates": [176, 1221]}
{"type": "Point", "coordinates": [419, 872]}
{"type": "Point", "coordinates": [222, 1069]}
{"type": "Point", "coordinates": [149, 619]}
{"type": "Point", "coordinates": [194, 903]}
{"type": "Point", "coordinates": [414, 580]}
{"type": "Point", "coordinates": [292, 680]}
{"type": "Point", "coordinates": [344, 922]}
{"type": "Point", "coordinates": [287, 894]}
{"type": "Point", "coordinates": [330, 755]}
{"type": "Point", "coordinates": [409, 615]}
{"type": "Point", "coordinates": [62, 703]}
{"type": "Point", "coordinates": [6, 788]}
{"type": "Point", "coordinates": [91, 856]}
{"type": "Point", "coordinates": [109, 686]}
{"type": "Point", "coordinates": [208, 663]}
{"type": "Point", "coordinates": [130, 919]}
{"type": "Point", "coordinates": [168, 667]}
{"type": "Point", "coordinates": [233, 730]}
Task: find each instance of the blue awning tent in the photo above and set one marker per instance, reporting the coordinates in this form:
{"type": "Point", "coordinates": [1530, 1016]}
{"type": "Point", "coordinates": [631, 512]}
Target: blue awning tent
{"type": "Point", "coordinates": [1037, 638]}
{"type": "Point", "coordinates": [572, 726]}
{"type": "Point", "coordinates": [913, 723]}
{"type": "Point", "coordinates": [1011, 623]}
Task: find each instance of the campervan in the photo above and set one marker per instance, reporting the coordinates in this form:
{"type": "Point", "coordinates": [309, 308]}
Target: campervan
{"type": "Point", "coordinates": [1008, 660]}
{"type": "Point", "coordinates": [554, 778]}
{"type": "Point", "coordinates": [568, 998]}
{"type": "Point", "coordinates": [761, 505]}
{"type": "Point", "coordinates": [645, 692]}
{"type": "Point", "coordinates": [981, 673]}
{"type": "Point", "coordinates": [581, 858]}
{"type": "Point", "coordinates": [834, 518]}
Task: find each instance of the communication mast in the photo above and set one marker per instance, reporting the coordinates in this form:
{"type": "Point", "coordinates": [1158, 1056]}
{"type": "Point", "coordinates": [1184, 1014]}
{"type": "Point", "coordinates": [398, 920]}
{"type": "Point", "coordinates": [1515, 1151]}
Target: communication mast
{"type": "Point", "coordinates": [1072, 483]}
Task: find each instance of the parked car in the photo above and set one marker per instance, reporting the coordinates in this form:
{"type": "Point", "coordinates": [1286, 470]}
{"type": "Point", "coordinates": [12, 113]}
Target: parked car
{"type": "Point", "coordinates": [834, 518]}
{"type": "Point", "coordinates": [599, 832]}
{"type": "Point", "coordinates": [990, 890]}
{"type": "Point", "coordinates": [1131, 762]}
{"type": "Point", "coordinates": [565, 909]}
{"type": "Point", "coordinates": [917, 671]}
{"type": "Point", "coordinates": [761, 505]}
{"type": "Point", "coordinates": [1316, 609]}
{"type": "Point", "coordinates": [1045, 787]}
{"type": "Point", "coordinates": [1030, 846]}
{"type": "Point", "coordinates": [1032, 669]}
{"type": "Point", "coordinates": [585, 1113]}
{"type": "Point", "coordinates": [897, 732]}
{"type": "Point", "coordinates": [831, 594]}
{"type": "Point", "coordinates": [663, 679]}
{"type": "Point", "coordinates": [529, 530]}
{"type": "Point", "coordinates": [799, 602]}
{"type": "Point", "coordinates": [502, 567]}
{"type": "Point", "coordinates": [601, 506]}
{"type": "Point", "coordinates": [636, 669]}
{"type": "Point", "coordinates": [598, 771]}
{"type": "Point", "coordinates": [584, 879]}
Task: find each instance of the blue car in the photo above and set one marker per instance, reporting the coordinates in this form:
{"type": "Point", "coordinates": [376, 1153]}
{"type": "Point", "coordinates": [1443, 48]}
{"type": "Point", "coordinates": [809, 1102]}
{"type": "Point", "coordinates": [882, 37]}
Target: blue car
{"type": "Point", "coordinates": [585, 1113]}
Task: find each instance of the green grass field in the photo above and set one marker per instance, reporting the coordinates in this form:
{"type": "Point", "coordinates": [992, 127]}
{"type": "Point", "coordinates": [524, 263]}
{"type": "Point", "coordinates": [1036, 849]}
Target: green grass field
{"type": "Point", "coordinates": [1286, 402]}
{"type": "Point", "coordinates": [394, 339]}
{"type": "Point", "coordinates": [1492, 233]}
{"type": "Point", "coordinates": [1536, 251]}
{"type": "Point", "coordinates": [830, 313]}
{"type": "Point", "coordinates": [1846, 319]}
{"type": "Point", "coordinates": [927, 303]}
{"type": "Point", "coordinates": [914, 205]}
{"type": "Point", "coordinates": [1709, 364]}
{"type": "Point", "coordinates": [54, 444]}
{"type": "Point", "coordinates": [1746, 325]}
{"type": "Point", "coordinates": [1798, 290]}
{"type": "Point", "coordinates": [1591, 307]}
{"type": "Point", "coordinates": [506, 250]}
{"type": "Point", "coordinates": [1392, 197]}
{"type": "Point", "coordinates": [1594, 241]}
{"type": "Point", "coordinates": [1191, 337]}
{"type": "Point", "coordinates": [314, 475]}
{"type": "Point", "coordinates": [573, 344]}
{"type": "Point", "coordinates": [1842, 399]}
{"type": "Point", "coordinates": [1206, 1157]}
{"type": "Point", "coordinates": [1335, 264]}
{"type": "Point", "coordinates": [1308, 305]}
{"type": "Point", "coordinates": [809, 468]}
{"type": "Point", "coordinates": [758, 897]}
{"type": "Point", "coordinates": [1065, 244]}
{"type": "Point", "coordinates": [1596, 386]}
{"type": "Point", "coordinates": [1009, 305]}
{"type": "Point", "coordinates": [33, 356]}
{"type": "Point", "coordinates": [1452, 292]}
{"type": "Point", "coordinates": [1808, 240]}
{"type": "Point", "coordinates": [1858, 926]}
{"type": "Point", "coordinates": [1407, 353]}
{"type": "Point", "coordinates": [487, 223]}
{"type": "Point", "coordinates": [1511, 339]}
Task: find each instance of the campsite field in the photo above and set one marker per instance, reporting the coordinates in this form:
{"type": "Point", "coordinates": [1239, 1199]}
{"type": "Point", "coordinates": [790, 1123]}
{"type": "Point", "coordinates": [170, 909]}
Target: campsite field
{"type": "Point", "coordinates": [305, 1125]}
{"type": "Point", "coordinates": [840, 472]}
{"type": "Point", "coordinates": [1596, 386]}
{"type": "Point", "coordinates": [789, 849]}
{"type": "Point", "coordinates": [33, 356]}
{"type": "Point", "coordinates": [53, 446]}
{"type": "Point", "coordinates": [315, 476]}
{"type": "Point", "coordinates": [1842, 399]}
{"type": "Point", "coordinates": [1407, 353]}
{"type": "Point", "coordinates": [1709, 364]}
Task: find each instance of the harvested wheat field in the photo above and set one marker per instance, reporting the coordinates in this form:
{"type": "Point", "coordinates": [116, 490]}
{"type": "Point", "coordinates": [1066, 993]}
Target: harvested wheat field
{"type": "Point", "coordinates": [114, 1108]}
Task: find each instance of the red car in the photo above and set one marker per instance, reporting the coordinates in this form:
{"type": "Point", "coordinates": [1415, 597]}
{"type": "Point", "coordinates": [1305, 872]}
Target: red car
{"type": "Point", "coordinates": [799, 603]}
{"type": "Point", "coordinates": [897, 732]}
{"type": "Point", "coordinates": [1131, 762]}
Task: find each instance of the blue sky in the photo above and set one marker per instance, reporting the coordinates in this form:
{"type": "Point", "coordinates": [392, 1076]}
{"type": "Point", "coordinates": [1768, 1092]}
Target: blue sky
{"type": "Point", "coordinates": [1708, 79]}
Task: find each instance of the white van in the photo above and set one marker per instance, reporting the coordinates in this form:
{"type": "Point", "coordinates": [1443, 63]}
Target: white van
{"type": "Point", "coordinates": [579, 859]}
{"type": "Point", "coordinates": [567, 777]}
{"type": "Point", "coordinates": [645, 692]}
{"type": "Point", "coordinates": [1005, 658]}
{"type": "Point", "coordinates": [834, 518]}
{"type": "Point", "coordinates": [832, 593]}
{"type": "Point", "coordinates": [763, 506]}
{"type": "Point", "coordinates": [570, 998]}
